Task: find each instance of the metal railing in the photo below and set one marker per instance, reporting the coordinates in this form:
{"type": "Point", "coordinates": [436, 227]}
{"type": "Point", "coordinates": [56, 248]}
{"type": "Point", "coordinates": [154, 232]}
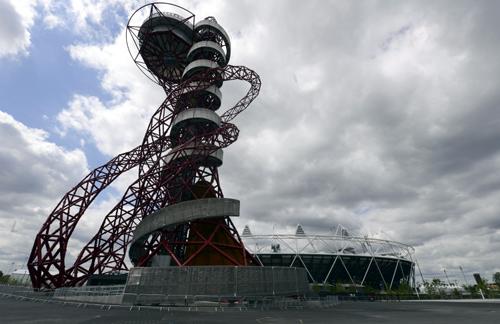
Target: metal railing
{"type": "Point", "coordinates": [172, 302]}
{"type": "Point", "coordinates": [112, 290]}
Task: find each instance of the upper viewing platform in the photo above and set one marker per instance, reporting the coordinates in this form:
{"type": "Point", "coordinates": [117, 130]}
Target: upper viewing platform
{"type": "Point", "coordinates": [163, 39]}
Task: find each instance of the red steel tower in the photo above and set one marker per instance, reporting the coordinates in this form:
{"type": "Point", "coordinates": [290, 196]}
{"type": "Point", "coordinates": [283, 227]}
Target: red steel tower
{"type": "Point", "coordinates": [175, 213]}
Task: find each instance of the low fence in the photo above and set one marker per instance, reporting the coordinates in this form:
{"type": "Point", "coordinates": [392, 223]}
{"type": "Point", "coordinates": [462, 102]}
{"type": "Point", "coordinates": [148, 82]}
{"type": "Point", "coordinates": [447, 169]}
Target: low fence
{"type": "Point", "coordinates": [230, 303]}
{"type": "Point", "coordinates": [112, 295]}
{"type": "Point", "coordinates": [109, 296]}
{"type": "Point", "coordinates": [25, 291]}
{"type": "Point", "coordinates": [92, 294]}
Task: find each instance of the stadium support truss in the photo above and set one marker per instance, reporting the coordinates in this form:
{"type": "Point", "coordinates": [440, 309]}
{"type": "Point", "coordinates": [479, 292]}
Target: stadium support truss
{"type": "Point", "coordinates": [338, 258]}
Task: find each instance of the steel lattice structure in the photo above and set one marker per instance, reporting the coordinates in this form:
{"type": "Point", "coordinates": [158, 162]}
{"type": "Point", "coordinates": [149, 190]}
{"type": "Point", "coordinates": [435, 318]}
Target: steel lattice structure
{"type": "Point", "coordinates": [178, 159]}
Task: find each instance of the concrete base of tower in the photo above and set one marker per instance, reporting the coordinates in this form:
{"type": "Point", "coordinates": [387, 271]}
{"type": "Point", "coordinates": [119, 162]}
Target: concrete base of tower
{"type": "Point", "coordinates": [178, 285]}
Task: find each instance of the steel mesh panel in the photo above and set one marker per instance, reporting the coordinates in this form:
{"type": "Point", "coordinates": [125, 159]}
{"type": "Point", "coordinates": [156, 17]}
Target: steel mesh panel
{"type": "Point", "coordinates": [160, 285]}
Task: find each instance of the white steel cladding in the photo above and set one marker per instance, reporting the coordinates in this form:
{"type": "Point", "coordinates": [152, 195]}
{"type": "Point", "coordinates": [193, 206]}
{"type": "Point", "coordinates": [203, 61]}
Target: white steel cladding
{"type": "Point", "coordinates": [338, 258]}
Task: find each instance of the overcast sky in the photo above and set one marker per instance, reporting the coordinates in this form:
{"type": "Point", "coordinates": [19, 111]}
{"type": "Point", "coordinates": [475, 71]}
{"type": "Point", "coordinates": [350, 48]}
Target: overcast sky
{"type": "Point", "coordinates": [382, 116]}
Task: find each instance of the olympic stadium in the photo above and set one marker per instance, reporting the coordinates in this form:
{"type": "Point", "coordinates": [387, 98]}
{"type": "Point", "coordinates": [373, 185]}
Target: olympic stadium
{"type": "Point", "coordinates": [337, 259]}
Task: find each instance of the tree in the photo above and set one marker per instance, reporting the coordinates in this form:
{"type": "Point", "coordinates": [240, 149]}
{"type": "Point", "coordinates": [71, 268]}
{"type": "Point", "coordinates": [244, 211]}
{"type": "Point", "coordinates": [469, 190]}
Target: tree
{"type": "Point", "coordinates": [433, 288]}
{"type": "Point", "coordinates": [4, 279]}
{"type": "Point", "coordinates": [496, 278]}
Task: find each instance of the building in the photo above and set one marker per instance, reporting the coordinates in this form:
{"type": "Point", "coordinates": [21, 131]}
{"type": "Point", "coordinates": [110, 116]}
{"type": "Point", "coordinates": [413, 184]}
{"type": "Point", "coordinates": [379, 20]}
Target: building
{"type": "Point", "coordinates": [20, 276]}
{"type": "Point", "coordinates": [339, 258]}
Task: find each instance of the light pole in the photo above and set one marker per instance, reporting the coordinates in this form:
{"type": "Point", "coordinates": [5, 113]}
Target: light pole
{"type": "Point", "coordinates": [463, 274]}
{"type": "Point", "coordinates": [448, 279]}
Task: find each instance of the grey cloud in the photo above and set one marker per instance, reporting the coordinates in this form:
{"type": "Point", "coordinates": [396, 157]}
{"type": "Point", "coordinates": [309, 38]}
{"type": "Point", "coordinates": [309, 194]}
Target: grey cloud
{"type": "Point", "coordinates": [434, 133]}
{"type": "Point", "coordinates": [376, 115]}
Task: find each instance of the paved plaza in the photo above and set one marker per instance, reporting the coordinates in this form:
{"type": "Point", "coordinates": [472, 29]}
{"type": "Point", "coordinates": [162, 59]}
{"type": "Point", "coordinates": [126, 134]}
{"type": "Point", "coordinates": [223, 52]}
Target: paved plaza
{"type": "Point", "coordinates": [22, 311]}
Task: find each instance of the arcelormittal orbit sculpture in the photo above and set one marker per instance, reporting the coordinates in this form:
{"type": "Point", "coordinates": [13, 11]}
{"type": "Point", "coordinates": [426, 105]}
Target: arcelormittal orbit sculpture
{"type": "Point", "coordinates": [175, 213]}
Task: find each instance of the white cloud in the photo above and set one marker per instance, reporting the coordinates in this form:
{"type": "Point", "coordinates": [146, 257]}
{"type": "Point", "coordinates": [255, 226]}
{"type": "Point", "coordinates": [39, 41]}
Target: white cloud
{"type": "Point", "coordinates": [116, 125]}
{"type": "Point", "coordinates": [35, 174]}
{"type": "Point", "coordinates": [17, 18]}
